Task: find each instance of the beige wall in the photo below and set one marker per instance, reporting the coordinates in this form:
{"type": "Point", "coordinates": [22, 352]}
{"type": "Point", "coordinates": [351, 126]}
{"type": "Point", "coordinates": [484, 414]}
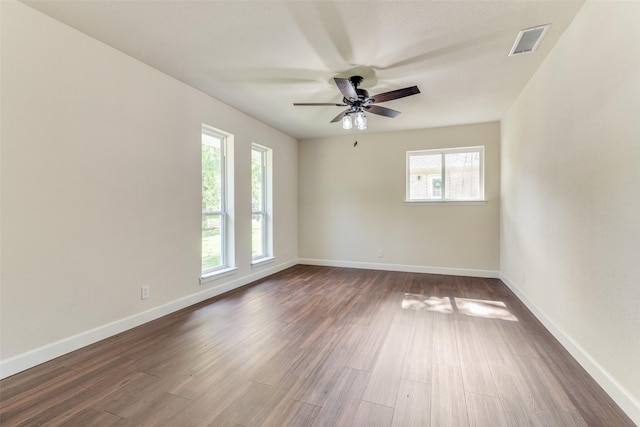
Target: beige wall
{"type": "Point", "coordinates": [100, 186]}
{"type": "Point", "coordinates": [570, 221]}
{"type": "Point", "coordinates": [351, 204]}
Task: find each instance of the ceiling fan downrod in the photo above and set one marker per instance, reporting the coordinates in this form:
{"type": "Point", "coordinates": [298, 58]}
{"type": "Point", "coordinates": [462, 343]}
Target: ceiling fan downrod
{"type": "Point", "coordinates": [363, 95]}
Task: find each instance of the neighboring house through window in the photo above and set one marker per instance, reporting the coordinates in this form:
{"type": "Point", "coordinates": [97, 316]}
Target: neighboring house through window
{"type": "Point", "coordinates": [455, 174]}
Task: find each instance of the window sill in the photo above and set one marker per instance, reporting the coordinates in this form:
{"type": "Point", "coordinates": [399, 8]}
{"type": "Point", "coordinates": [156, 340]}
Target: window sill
{"type": "Point", "coordinates": [262, 261]}
{"type": "Point", "coordinates": [445, 202]}
{"type": "Point", "coordinates": [218, 274]}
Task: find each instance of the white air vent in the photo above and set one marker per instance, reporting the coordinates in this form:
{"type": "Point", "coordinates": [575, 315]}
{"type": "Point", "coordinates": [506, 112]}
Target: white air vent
{"type": "Point", "coordinates": [528, 40]}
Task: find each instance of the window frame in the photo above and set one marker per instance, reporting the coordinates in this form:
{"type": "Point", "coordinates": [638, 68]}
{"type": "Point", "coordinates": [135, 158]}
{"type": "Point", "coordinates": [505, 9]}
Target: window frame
{"type": "Point", "coordinates": [443, 171]}
{"type": "Point", "coordinates": [266, 252]}
{"type": "Point", "coordinates": [224, 204]}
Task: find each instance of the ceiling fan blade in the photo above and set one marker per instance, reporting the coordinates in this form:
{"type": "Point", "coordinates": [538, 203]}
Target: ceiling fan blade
{"type": "Point", "coordinates": [339, 116]}
{"type": "Point", "coordinates": [319, 104]}
{"type": "Point", "coordinates": [381, 111]}
{"type": "Point", "coordinates": [395, 94]}
{"type": "Point", "coordinates": [347, 89]}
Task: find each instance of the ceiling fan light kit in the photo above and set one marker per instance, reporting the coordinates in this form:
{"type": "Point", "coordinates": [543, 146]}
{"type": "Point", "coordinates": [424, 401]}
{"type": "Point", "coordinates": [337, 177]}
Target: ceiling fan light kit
{"type": "Point", "coordinates": [358, 102]}
{"type": "Point", "coordinates": [361, 121]}
{"type": "Point", "coordinates": [347, 123]}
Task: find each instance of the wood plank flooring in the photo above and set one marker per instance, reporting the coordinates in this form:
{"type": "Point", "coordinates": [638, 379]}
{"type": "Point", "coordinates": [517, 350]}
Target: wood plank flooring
{"type": "Point", "coordinates": [322, 346]}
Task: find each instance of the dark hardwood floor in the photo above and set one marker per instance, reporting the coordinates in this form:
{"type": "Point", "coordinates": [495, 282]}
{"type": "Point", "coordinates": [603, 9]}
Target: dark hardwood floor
{"type": "Point", "coordinates": [321, 346]}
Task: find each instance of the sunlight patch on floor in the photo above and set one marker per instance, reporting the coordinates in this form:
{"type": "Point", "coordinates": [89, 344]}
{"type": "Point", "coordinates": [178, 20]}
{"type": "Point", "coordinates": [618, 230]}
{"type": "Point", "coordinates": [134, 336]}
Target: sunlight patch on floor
{"type": "Point", "coordinates": [420, 302]}
{"type": "Point", "coordinates": [466, 306]}
{"type": "Point", "coordinates": [484, 308]}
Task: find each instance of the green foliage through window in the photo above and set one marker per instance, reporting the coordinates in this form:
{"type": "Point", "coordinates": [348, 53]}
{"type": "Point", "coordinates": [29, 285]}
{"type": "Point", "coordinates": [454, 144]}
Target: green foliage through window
{"type": "Point", "coordinates": [213, 209]}
{"type": "Point", "coordinates": [259, 218]}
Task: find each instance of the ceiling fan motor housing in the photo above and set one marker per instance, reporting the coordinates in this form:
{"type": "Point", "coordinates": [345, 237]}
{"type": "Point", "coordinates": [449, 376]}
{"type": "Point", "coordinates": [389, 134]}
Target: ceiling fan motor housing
{"type": "Point", "coordinates": [363, 95]}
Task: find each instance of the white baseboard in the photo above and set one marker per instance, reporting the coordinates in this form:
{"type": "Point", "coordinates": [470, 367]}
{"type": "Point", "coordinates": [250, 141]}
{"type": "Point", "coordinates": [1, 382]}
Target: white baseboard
{"type": "Point", "coordinates": [48, 352]}
{"type": "Point", "coordinates": [401, 267]}
{"type": "Point", "coordinates": [627, 402]}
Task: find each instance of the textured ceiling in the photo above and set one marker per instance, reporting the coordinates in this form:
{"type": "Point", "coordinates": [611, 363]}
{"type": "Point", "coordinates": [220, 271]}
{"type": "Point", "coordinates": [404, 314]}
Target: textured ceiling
{"type": "Point", "coordinates": [262, 56]}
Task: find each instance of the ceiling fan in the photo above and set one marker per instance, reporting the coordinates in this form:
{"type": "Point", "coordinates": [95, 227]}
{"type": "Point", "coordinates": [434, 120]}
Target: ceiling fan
{"type": "Point", "coordinates": [358, 102]}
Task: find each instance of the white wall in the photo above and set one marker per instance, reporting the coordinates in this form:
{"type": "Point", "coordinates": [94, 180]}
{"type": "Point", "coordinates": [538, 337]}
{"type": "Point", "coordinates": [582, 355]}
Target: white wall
{"type": "Point", "coordinates": [570, 216]}
{"type": "Point", "coordinates": [351, 203]}
{"type": "Point", "coordinates": [100, 190]}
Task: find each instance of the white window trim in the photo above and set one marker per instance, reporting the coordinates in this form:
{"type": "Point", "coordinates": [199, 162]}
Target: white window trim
{"type": "Point", "coordinates": [262, 261]}
{"type": "Point", "coordinates": [481, 200]}
{"type": "Point", "coordinates": [226, 266]}
{"type": "Point", "coordinates": [217, 274]}
{"type": "Point", "coordinates": [265, 211]}
{"type": "Point", "coordinates": [445, 202]}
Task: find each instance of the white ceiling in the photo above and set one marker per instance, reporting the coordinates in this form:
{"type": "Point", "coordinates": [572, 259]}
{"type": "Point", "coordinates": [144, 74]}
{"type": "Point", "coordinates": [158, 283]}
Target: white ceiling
{"type": "Point", "coordinates": [262, 56]}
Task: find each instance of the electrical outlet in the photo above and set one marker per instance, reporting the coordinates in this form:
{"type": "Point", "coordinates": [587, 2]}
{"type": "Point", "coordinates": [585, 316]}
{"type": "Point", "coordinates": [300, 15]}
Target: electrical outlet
{"type": "Point", "coordinates": [144, 292]}
{"type": "Point", "coordinates": [380, 253]}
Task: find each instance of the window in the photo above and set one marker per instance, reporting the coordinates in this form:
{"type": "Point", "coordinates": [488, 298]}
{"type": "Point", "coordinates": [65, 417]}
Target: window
{"type": "Point", "coordinates": [260, 202]}
{"type": "Point", "coordinates": [214, 202]}
{"type": "Point", "coordinates": [455, 174]}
